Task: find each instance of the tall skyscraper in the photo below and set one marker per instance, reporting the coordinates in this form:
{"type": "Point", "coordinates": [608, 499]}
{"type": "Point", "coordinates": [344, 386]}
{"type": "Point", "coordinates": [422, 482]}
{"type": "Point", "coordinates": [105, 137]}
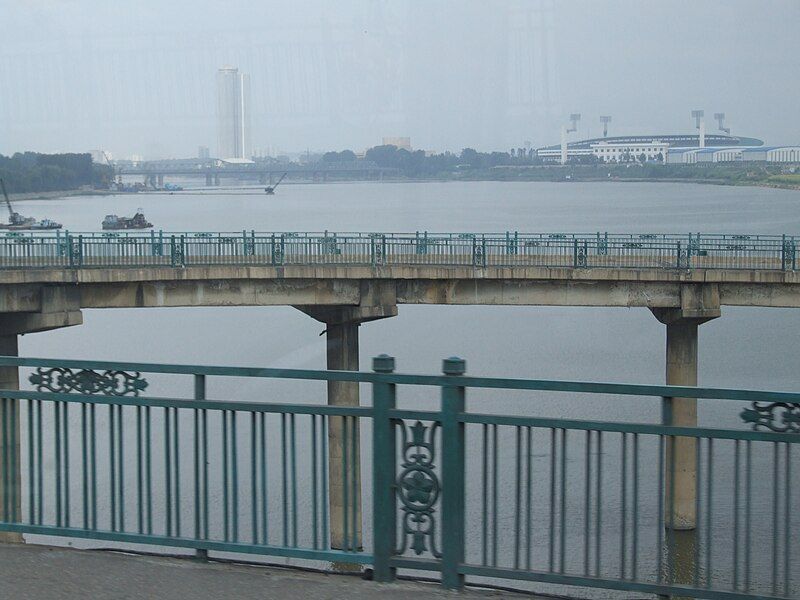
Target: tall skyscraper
{"type": "Point", "coordinates": [233, 114]}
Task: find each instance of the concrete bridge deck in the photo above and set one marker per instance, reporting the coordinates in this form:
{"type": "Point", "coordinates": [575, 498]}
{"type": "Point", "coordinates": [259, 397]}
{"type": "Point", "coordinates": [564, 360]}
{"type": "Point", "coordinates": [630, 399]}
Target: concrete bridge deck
{"type": "Point", "coordinates": [52, 290]}
{"type": "Point", "coordinates": [50, 573]}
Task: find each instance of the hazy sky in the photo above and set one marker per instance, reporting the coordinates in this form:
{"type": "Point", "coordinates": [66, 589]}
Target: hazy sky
{"type": "Point", "coordinates": [139, 77]}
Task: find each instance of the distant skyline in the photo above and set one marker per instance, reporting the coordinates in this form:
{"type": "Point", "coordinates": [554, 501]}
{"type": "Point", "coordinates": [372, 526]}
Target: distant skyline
{"type": "Point", "coordinates": [79, 75]}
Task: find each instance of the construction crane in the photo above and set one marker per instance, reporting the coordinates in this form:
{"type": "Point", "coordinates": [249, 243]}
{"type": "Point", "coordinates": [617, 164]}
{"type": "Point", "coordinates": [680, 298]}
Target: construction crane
{"type": "Point", "coordinates": [270, 189]}
{"type": "Point", "coordinates": [17, 221]}
{"type": "Point", "coordinates": [113, 170]}
{"type": "Point", "coordinates": [14, 218]}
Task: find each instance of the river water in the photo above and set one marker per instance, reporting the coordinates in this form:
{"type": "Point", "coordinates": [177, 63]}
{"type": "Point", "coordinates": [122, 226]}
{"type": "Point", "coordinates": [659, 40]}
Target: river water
{"type": "Point", "coordinates": [747, 347]}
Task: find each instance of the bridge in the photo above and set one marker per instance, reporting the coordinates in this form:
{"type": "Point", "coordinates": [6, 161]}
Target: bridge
{"type": "Point", "coordinates": [213, 170]}
{"type": "Point", "coordinates": [348, 279]}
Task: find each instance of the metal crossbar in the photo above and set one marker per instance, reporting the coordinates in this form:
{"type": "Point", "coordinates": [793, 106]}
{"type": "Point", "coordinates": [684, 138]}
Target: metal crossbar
{"type": "Point", "coordinates": [510, 249]}
{"type": "Point", "coordinates": [87, 453]}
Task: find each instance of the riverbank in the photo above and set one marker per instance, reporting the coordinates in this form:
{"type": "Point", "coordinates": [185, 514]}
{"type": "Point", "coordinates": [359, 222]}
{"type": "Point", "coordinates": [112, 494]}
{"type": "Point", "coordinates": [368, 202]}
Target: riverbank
{"type": "Point", "coordinates": [54, 195]}
{"type": "Point", "coordinates": [551, 174]}
{"type": "Point", "coordinates": [713, 174]}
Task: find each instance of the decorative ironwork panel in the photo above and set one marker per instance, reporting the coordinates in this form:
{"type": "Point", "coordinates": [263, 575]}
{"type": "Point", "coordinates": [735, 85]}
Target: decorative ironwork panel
{"type": "Point", "coordinates": [478, 255]}
{"type": "Point", "coordinates": [580, 255]}
{"type": "Point", "coordinates": [683, 258]}
{"type": "Point", "coordinates": [788, 255]}
{"type": "Point", "coordinates": [330, 245]}
{"type": "Point", "coordinates": [178, 254]}
{"type": "Point", "coordinates": [418, 488]}
{"type": "Point", "coordinates": [86, 381]}
{"type": "Point", "coordinates": [378, 250]}
{"type": "Point", "coordinates": [277, 251]}
{"type": "Point", "coordinates": [780, 417]}
{"type": "Point", "coordinates": [75, 252]}
{"type": "Point", "coordinates": [602, 245]}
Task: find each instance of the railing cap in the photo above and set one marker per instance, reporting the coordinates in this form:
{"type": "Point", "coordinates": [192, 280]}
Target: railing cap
{"type": "Point", "coordinates": [383, 363]}
{"type": "Point", "coordinates": [454, 366]}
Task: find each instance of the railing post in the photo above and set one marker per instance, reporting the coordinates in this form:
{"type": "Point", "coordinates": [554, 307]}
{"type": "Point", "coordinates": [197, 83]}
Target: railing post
{"type": "Point", "coordinates": [10, 447]}
{"type": "Point", "coordinates": [453, 474]}
{"type": "Point", "coordinates": [200, 469]}
{"type": "Point", "coordinates": [384, 468]}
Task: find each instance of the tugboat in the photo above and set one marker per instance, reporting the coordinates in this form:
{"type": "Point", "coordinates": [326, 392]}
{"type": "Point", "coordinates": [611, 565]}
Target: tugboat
{"type": "Point", "coordinates": [16, 221]}
{"type": "Point", "coordinates": [137, 221]}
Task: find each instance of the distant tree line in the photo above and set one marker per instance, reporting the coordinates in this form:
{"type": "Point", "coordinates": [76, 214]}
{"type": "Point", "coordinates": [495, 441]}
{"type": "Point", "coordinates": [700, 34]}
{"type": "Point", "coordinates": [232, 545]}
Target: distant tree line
{"type": "Point", "coordinates": [34, 172]}
{"type": "Point", "coordinates": [417, 163]}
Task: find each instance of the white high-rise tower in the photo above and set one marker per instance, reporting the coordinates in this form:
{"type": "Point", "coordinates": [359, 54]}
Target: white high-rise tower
{"type": "Point", "coordinates": [233, 114]}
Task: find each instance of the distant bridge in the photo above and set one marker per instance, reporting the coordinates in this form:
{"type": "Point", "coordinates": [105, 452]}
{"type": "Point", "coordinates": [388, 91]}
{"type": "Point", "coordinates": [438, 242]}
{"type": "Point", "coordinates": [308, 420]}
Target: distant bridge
{"type": "Point", "coordinates": [213, 170]}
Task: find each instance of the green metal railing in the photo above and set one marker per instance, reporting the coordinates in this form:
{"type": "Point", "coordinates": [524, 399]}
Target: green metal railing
{"type": "Point", "coordinates": [456, 490]}
{"type": "Point", "coordinates": [508, 249]}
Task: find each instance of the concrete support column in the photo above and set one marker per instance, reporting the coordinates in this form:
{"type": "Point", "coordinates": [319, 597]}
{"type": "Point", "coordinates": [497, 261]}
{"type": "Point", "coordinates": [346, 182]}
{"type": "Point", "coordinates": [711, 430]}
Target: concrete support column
{"type": "Point", "coordinates": [378, 300]}
{"type": "Point", "coordinates": [10, 465]}
{"type": "Point", "coordinates": [208, 180]}
{"type": "Point", "coordinates": [216, 179]}
{"type": "Point", "coordinates": [160, 181]}
{"type": "Point", "coordinates": [344, 441]}
{"type": "Point", "coordinates": [680, 460]}
{"type": "Point", "coordinates": [699, 303]}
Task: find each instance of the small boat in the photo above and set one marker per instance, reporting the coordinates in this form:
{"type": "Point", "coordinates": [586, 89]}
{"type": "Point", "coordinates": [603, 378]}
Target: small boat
{"type": "Point", "coordinates": [44, 224]}
{"type": "Point", "coordinates": [137, 221]}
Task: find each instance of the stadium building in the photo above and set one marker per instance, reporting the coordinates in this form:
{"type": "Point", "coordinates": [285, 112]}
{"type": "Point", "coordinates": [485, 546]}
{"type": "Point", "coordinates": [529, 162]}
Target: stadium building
{"type": "Point", "coordinates": [654, 147]}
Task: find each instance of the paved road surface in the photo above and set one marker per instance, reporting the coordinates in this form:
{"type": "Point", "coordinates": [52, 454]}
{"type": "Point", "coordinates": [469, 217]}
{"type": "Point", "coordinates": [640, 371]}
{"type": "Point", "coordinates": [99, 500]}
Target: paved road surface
{"type": "Point", "coordinates": [30, 572]}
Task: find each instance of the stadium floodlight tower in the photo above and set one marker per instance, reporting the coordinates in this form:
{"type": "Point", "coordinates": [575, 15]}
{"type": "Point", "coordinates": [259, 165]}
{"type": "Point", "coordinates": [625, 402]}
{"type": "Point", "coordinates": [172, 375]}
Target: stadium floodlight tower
{"type": "Point", "coordinates": [574, 118]}
{"type": "Point", "coordinates": [605, 120]}
{"type": "Point", "coordinates": [700, 123]}
{"type": "Point", "coordinates": [720, 117]}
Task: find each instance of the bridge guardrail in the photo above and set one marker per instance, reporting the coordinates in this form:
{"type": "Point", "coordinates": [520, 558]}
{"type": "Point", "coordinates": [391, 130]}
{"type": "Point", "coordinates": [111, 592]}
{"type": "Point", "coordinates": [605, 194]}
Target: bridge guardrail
{"type": "Point", "coordinates": [585, 502]}
{"type": "Point", "coordinates": [511, 249]}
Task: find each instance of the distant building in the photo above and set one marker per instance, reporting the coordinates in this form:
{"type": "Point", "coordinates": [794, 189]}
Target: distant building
{"type": "Point", "coordinates": [620, 152]}
{"type": "Point", "coordinates": [779, 154]}
{"type": "Point", "coordinates": [638, 144]}
{"type": "Point", "coordinates": [203, 152]}
{"type": "Point", "coordinates": [233, 114]}
{"type": "Point", "coordinates": [403, 143]}
{"type": "Point", "coordinates": [726, 154]}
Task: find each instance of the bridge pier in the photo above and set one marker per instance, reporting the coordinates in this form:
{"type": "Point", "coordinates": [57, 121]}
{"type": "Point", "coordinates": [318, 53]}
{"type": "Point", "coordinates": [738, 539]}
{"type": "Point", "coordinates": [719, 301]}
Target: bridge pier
{"type": "Point", "coordinates": [342, 354]}
{"type": "Point", "coordinates": [699, 303]}
{"type": "Point", "coordinates": [58, 307]}
{"type": "Point", "coordinates": [208, 180]}
{"type": "Point", "coordinates": [10, 465]}
{"type": "Point", "coordinates": [216, 179]}
{"type": "Point", "coordinates": [161, 181]}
